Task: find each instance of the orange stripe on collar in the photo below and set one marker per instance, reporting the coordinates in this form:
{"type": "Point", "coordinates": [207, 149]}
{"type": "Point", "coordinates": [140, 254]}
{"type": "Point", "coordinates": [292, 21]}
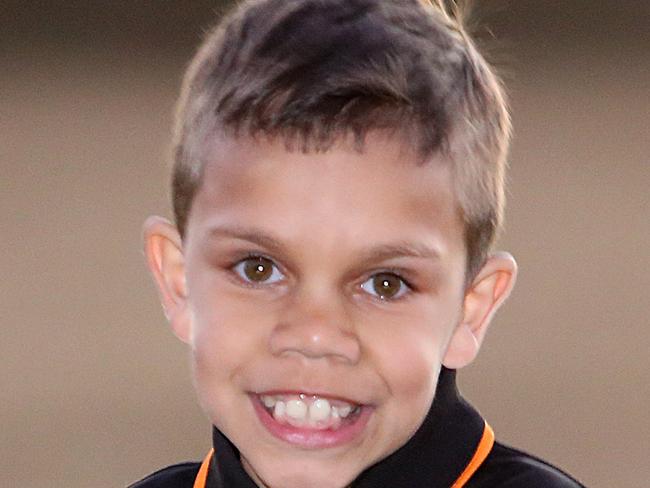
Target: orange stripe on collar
{"type": "Point", "coordinates": [482, 450]}
{"type": "Point", "coordinates": [202, 476]}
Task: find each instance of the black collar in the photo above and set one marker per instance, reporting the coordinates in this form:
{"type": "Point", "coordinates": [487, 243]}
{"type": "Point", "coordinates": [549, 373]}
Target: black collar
{"type": "Point", "coordinates": [436, 455]}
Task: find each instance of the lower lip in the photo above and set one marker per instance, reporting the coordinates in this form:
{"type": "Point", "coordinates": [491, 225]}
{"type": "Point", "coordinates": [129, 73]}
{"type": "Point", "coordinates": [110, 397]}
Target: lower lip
{"type": "Point", "coordinates": [312, 438]}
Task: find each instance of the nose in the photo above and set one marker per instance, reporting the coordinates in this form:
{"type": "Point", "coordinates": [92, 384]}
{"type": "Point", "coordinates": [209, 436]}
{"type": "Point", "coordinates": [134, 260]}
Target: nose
{"type": "Point", "coordinates": [316, 326]}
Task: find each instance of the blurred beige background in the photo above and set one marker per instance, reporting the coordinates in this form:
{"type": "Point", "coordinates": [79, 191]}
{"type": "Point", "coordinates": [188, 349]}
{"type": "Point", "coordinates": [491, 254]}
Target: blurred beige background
{"type": "Point", "coordinates": [96, 390]}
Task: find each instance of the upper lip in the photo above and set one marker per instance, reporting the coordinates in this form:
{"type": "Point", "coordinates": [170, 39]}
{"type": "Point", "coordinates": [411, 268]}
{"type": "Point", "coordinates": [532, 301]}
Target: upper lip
{"type": "Point", "coordinates": [309, 393]}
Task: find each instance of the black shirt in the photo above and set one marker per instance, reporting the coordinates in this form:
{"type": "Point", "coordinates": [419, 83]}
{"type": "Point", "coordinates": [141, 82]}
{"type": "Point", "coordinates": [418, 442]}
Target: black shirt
{"type": "Point", "coordinates": [434, 457]}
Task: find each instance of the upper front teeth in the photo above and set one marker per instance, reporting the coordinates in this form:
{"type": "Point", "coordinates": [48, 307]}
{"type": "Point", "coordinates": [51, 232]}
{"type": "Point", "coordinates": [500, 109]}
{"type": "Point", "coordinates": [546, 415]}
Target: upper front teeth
{"type": "Point", "coordinates": [299, 410]}
{"type": "Point", "coordinates": [296, 409]}
{"type": "Point", "coordinates": [319, 410]}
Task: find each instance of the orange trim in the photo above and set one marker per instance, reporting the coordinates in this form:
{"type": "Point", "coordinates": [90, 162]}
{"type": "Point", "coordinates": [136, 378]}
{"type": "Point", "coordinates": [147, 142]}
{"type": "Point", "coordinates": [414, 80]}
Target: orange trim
{"type": "Point", "coordinates": [482, 450]}
{"type": "Point", "coordinates": [202, 476]}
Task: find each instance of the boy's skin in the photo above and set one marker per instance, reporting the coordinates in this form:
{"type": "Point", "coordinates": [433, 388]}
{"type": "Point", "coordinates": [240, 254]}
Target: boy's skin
{"type": "Point", "coordinates": [329, 222]}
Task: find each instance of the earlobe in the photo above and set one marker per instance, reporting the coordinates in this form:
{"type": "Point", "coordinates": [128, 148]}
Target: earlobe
{"type": "Point", "coordinates": [462, 349]}
{"type": "Point", "coordinates": [489, 289]}
{"type": "Point", "coordinates": [164, 252]}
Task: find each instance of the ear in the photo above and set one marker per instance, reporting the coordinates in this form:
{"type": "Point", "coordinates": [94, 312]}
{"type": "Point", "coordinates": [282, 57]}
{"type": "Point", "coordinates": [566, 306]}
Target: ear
{"type": "Point", "coordinates": [484, 296]}
{"type": "Point", "coordinates": [164, 251]}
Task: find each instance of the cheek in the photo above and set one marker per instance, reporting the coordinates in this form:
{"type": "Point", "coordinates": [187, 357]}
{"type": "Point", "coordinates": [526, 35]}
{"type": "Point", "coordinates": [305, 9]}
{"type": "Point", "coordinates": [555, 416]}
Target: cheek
{"type": "Point", "coordinates": [410, 350]}
{"type": "Point", "coordinates": [228, 333]}
{"type": "Point", "coordinates": [411, 363]}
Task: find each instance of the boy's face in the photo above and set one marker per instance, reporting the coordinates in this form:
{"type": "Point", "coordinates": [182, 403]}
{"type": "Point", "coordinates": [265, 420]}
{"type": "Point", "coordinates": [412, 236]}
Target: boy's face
{"type": "Point", "coordinates": [330, 283]}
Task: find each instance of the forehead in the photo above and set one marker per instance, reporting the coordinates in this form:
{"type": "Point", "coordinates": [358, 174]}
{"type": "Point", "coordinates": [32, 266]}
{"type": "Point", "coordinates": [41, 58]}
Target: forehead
{"type": "Point", "coordinates": [343, 195]}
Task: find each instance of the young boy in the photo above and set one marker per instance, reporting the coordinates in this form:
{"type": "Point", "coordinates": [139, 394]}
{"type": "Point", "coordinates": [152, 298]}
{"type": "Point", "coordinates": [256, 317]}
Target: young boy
{"type": "Point", "coordinates": [338, 184]}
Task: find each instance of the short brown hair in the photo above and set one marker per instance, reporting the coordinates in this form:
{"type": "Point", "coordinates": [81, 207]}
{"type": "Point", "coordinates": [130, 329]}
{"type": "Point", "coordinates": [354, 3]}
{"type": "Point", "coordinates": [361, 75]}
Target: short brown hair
{"type": "Point", "coordinates": [312, 71]}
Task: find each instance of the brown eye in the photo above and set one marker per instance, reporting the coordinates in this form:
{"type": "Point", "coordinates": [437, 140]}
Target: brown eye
{"type": "Point", "coordinates": [385, 286]}
{"type": "Point", "coordinates": [258, 269]}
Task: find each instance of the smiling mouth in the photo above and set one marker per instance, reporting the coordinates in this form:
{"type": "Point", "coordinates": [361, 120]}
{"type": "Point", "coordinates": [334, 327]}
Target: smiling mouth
{"type": "Point", "coordinates": [310, 421]}
{"type": "Point", "coordinates": [310, 411]}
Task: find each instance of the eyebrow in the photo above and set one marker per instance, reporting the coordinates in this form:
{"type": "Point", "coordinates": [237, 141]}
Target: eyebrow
{"type": "Point", "coordinates": [378, 253]}
{"type": "Point", "coordinates": [247, 234]}
{"type": "Point", "coordinates": [399, 250]}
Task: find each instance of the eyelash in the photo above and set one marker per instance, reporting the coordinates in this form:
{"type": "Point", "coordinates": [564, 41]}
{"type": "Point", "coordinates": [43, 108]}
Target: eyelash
{"type": "Point", "coordinates": [405, 285]}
